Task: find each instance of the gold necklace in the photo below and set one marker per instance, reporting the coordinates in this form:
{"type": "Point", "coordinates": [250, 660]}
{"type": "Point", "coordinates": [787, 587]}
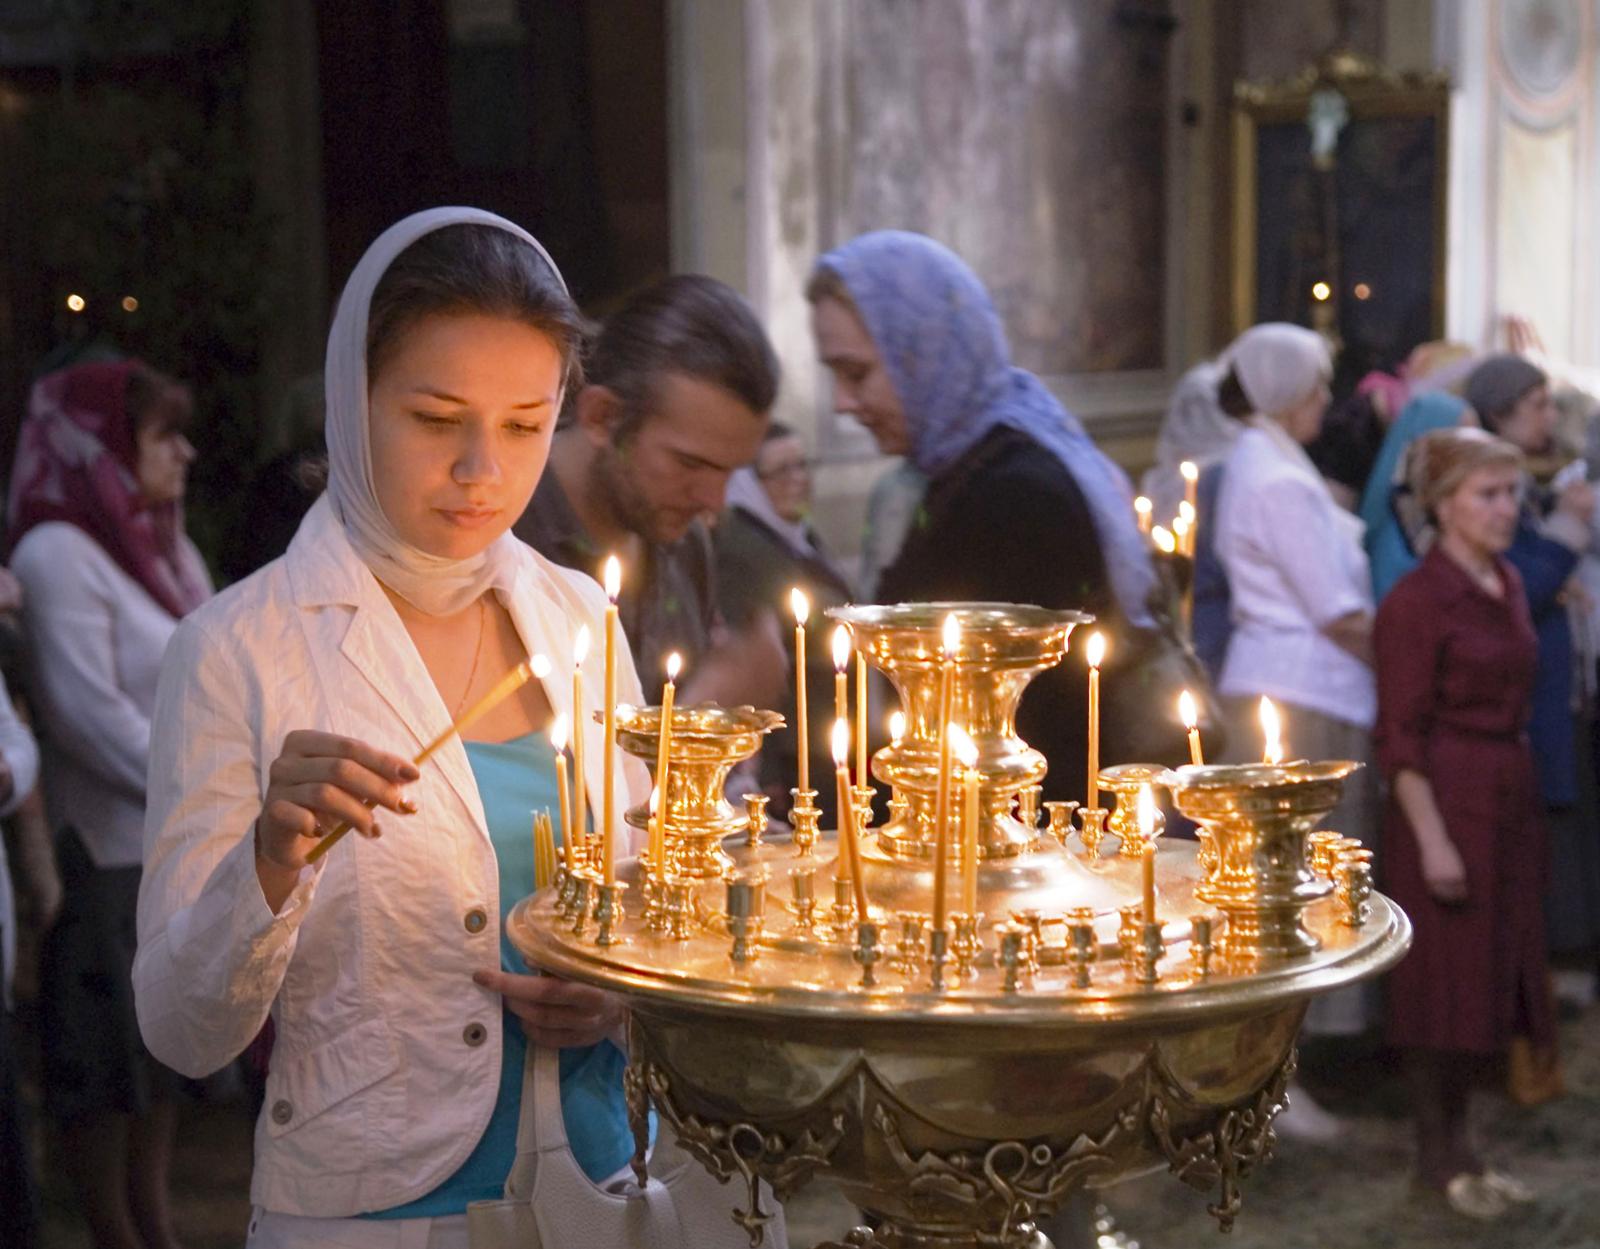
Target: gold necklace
{"type": "Point", "coordinates": [477, 653]}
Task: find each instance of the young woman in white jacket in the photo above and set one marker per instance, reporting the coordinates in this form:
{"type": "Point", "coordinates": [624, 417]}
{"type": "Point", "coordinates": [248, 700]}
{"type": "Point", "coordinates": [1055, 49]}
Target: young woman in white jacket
{"type": "Point", "coordinates": [295, 700]}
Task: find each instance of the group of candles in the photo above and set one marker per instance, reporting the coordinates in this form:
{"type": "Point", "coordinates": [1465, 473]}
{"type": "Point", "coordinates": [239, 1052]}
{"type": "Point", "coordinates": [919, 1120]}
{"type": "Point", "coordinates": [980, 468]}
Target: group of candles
{"type": "Point", "coordinates": [1179, 538]}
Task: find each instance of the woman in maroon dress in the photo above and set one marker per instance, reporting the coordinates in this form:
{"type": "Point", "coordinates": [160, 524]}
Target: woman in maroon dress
{"type": "Point", "coordinates": [1465, 847]}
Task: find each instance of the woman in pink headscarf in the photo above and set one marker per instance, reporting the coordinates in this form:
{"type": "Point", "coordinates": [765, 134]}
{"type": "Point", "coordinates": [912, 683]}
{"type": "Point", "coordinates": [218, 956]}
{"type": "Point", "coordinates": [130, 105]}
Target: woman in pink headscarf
{"type": "Point", "coordinates": [95, 532]}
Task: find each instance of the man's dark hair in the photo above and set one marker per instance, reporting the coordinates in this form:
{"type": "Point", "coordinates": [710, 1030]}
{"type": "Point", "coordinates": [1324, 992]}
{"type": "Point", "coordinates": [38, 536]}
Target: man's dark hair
{"type": "Point", "coordinates": [690, 325]}
{"type": "Point", "coordinates": [473, 268]}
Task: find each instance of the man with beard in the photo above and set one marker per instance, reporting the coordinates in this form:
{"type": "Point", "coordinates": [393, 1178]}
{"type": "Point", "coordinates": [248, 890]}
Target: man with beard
{"type": "Point", "coordinates": [679, 385]}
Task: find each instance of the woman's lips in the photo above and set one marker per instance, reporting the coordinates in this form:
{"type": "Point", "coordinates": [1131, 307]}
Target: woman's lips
{"type": "Point", "coordinates": [468, 518]}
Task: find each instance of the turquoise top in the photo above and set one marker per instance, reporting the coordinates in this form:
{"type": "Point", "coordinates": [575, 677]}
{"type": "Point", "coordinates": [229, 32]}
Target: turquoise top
{"type": "Point", "coordinates": [515, 779]}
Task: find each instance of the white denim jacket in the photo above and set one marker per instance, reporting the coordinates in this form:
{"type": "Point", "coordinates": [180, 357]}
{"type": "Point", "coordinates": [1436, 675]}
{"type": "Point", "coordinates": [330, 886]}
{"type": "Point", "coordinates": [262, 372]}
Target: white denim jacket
{"type": "Point", "coordinates": [387, 1059]}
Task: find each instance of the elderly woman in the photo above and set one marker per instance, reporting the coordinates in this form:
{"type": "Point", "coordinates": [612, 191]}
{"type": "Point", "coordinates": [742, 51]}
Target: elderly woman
{"type": "Point", "coordinates": [96, 522]}
{"type": "Point", "coordinates": [1465, 848]}
{"type": "Point", "coordinates": [294, 701]}
{"type": "Point", "coordinates": [1020, 504]}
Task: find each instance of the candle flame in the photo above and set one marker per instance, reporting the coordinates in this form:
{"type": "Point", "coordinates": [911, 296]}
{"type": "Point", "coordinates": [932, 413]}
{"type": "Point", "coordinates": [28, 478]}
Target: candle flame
{"type": "Point", "coordinates": [1180, 528]}
{"type": "Point", "coordinates": [1186, 513]}
{"type": "Point", "coordinates": [1147, 812]}
{"type": "Point", "coordinates": [952, 636]}
{"type": "Point", "coordinates": [613, 577]}
{"type": "Point", "coordinates": [674, 665]}
{"type": "Point", "coordinates": [1190, 470]}
{"type": "Point", "coordinates": [539, 666]}
{"type": "Point", "coordinates": [963, 747]}
{"type": "Point", "coordinates": [1271, 732]}
{"type": "Point", "coordinates": [800, 605]}
{"type": "Point", "coordinates": [1187, 712]}
{"type": "Point", "coordinates": [841, 742]}
{"type": "Point", "coordinates": [841, 647]}
{"type": "Point", "coordinates": [1163, 539]}
{"type": "Point", "coordinates": [1143, 506]}
{"type": "Point", "coordinates": [897, 727]}
{"type": "Point", "coordinates": [580, 647]}
{"type": "Point", "coordinates": [558, 734]}
{"type": "Point", "coordinates": [1095, 652]}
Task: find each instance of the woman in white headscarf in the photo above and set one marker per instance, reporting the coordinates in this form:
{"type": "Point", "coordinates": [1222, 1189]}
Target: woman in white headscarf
{"type": "Point", "coordinates": [1301, 591]}
{"type": "Point", "coordinates": [294, 701]}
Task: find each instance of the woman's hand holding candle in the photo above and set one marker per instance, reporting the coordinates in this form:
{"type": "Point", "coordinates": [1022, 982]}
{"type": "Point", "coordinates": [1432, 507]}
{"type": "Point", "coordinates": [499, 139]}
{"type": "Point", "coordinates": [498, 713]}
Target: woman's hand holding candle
{"type": "Point", "coordinates": [558, 1014]}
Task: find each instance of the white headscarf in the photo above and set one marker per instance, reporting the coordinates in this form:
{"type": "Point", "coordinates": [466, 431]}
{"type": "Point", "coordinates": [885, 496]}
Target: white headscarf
{"type": "Point", "coordinates": [430, 583]}
{"type": "Point", "coordinates": [1278, 364]}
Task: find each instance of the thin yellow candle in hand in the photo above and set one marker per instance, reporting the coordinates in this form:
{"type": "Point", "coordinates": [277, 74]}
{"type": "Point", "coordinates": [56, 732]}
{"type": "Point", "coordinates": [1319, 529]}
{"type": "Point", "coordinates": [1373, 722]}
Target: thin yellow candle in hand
{"type": "Point", "coordinates": [1096, 655]}
{"type": "Point", "coordinates": [558, 741]}
{"type": "Point", "coordinates": [966, 751]}
{"type": "Point", "coordinates": [801, 607]}
{"type": "Point", "coordinates": [1190, 715]}
{"type": "Point", "coordinates": [941, 805]}
{"type": "Point", "coordinates": [848, 864]}
{"type": "Point", "coordinates": [862, 778]}
{"type": "Point", "coordinates": [608, 800]}
{"type": "Point", "coordinates": [658, 844]}
{"type": "Point", "coordinates": [1271, 733]}
{"type": "Point", "coordinates": [580, 783]}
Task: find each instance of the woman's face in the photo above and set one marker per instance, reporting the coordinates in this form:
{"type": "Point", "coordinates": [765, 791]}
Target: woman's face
{"type": "Point", "coordinates": [1482, 511]}
{"type": "Point", "coordinates": [785, 475]}
{"type": "Point", "coordinates": [462, 413]}
{"type": "Point", "coordinates": [164, 453]}
{"type": "Point", "coordinates": [1531, 425]}
{"type": "Point", "coordinates": [861, 385]}
{"type": "Point", "coordinates": [1304, 419]}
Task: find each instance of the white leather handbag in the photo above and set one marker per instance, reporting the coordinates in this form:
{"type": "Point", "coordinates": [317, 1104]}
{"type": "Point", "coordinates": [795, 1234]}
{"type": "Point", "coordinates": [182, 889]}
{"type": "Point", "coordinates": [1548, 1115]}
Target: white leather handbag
{"type": "Point", "coordinates": [550, 1203]}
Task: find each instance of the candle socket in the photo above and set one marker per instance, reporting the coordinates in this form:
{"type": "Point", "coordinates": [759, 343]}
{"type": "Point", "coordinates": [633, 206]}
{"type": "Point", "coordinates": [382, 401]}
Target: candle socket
{"type": "Point", "coordinates": [566, 882]}
{"type": "Point", "coordinates": [1200, 945]}
{"type": "Point", "coordinates": [899, 807]}
{"type": "Point", "coordinates": [1028, 806]}
{"type": "Point", "coordinates": [967, 944]}
{"type": "Point", "coordinates": [1093, 832]}
{"type": "Point", "coordinates": [803, 888]}
{"type": "Point", "coordinates": [866, 952]}
{"type": "Point", "coordinates": [746, 905]}
{"type": "Point", "coordinates": [680, 908]}
{"type": "Point", "coordinates": [755, 809]}
{"type": "Point", "coordinates": [1150, 950]}
{"type": "Point", "coordinates": [908, 948]}
{"type": "Point", "coordinates": [842, 915]}
{"type": "Point", "coordinates": [938, 955]}
{"type": "Point", "coordinates": [582, 901]}
{"type": "Point", "coordinates": [1032, 925]}
{"type": "Point", "coordinates": [1353, 885]}
{"type": "Point", "coordinates": [862, 796]}
{"type": "Point", "coordinates": [608, 913]}
{"type": "Point", "coordinates": [1013, 965]}
{"type": "Point", "coordinates": [1060, 826]}
{"type": "Point", "coordinates": [804, 818]}
{"type": "Point", "coordinates": [1080, 944]}
{"type": "Point", "coordinates": [1322, 846]}
{"type": "Point", "coordinates": [1128, 931]}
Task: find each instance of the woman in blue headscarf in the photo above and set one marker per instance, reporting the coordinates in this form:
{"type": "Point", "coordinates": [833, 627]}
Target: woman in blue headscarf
{"type": "Point", "coordinates": [1021, 506]}
{"type": "Point", "coordinates": [1388, 549]}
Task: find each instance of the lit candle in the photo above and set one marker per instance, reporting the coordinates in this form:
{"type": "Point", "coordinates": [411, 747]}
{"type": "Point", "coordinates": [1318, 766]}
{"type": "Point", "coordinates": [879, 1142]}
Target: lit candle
{"type": "Point", "coordinates": [1186, 516]}
{"type": "Point", "coordinates": [1190, 472]}
{"type": "Point", "coordinates": [1165, 542]}
{"type": "Point", "coordinates": [1271, 733]}
{"type": "Point", "coordinates": [1190, 715]}
{"type": "Point", "coordinates": [608, 800]}
{"type": "Point", "coordinates": [1147, 829]}
{"type": "Point", "coordinates": [802, 609]}
{"type": "Point", "coordinates": [1142, 509]}
{"type": "Point", "coordinates": [558, 741]}
{"type": "Point", "coordinates": [1096, 655]}
{"type": "Point", "coordinates": [1180, 535]}
{"type": "Point", "coordinates": [848, 864]}
{"type": "Point", "coordinates": [966, 750]}
{"type": "Point", "coordinates": [861, 720]}
{"type": "Point", "coordinates": [941, 805]}
{"type": "Point", "coordinates": [658, 843]}
{"type": "Point", "coordinates": [580, 783]}
{"type": "Point", "coordinates": [841, 679]}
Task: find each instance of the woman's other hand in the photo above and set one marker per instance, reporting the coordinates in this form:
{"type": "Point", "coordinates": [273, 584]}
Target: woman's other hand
{"type": "Point", "coordinates": [1443, 871]}
{"type": "Point", "coordinates": [557, 1014]}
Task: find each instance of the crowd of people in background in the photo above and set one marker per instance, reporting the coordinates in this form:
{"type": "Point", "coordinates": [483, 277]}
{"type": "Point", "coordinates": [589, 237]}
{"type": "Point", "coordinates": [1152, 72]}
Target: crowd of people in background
{"type": "Point", "coordinates": [1413, 576]}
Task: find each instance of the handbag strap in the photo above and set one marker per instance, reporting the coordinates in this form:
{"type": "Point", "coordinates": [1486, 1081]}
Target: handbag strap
{"type": "Point", "coordinates": [541, 1129]}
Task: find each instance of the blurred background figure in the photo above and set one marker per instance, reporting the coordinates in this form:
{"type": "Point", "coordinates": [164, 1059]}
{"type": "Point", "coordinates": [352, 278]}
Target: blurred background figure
{"type": "Point", "coordinates": [1464, 847]}
{"type": "Point", "coordinates": [919, 357]}
{"type": "Point", "coordinates": [1511, 396]}
{"type": "Point", "coordinates": [765, 545]}
{"type": "Point", "coordinates": [95, 523]}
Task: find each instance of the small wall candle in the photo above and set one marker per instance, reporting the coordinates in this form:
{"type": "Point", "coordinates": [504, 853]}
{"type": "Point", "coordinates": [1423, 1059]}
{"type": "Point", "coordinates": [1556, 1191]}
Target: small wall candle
{"type": "Point", "coordinates": [848, 863]}
{"type": "Point", "coordinates": [608, 800]}
{"type": "Point", "coordinates": [1271, 733]}
{"type": "Point", "coordinates": [580, 784]}
{"type": "Point", "coordinates": [862, 779]}
{"type": "Point", "coordinates": [1096, 655]}
{"type": "Point", "coordinates": [841, 679]}
{"type": "Point", "coordinates": [1147, 828]}
{"type": "Point", "coordinates": [941, 805]}
{"type": "Point", "coordinates": [1190, 715]}
{"type": "Point", "coordinates": [558, 742]}
{"type": "Point", "coordinates": [664, 758]}
{"type": "Point", "coordinates": [801, 606]}
{"type": "Point", "coordinates": [966, 751]}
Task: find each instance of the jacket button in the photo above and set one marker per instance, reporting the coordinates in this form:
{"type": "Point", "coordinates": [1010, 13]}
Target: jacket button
{"type": "Point", "coordinates": [282, 1112]}
{"type": "Point", "coordinates": [475, 920]}
{"type": "Point", "coordinates": [474, 1034]}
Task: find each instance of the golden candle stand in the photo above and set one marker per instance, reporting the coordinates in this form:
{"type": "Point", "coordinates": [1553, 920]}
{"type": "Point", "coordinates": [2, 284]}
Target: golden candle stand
{"type": "Point", "coordinates": [960, 1084]}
